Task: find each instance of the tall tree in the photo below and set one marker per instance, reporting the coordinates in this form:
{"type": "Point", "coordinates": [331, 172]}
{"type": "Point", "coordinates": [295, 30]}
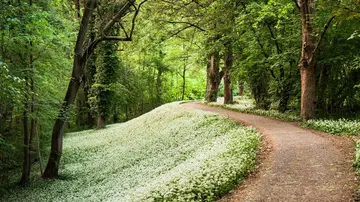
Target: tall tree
{"type": "Point", "coordinates": [81, 54]}
{"type": "Point", "coordinates": [308, 58]}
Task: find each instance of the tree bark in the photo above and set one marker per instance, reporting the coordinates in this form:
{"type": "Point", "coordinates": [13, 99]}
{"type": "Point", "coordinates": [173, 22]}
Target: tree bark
{"type": "Point", "coordinates": [25, 177]}
{"type": "Point", "coordinates": [241, 88]}
{"type": "Point", "coordinates": [213, 77]}
{"type": "Point", "coordinates": [52, 167]}
{"type": "Point", "coordinates": [307, 61]}
{"type": "Point", "coordinates": [100, 122]}
{"type": "Point", "coordinates": [228, 91]}
{"type": "Point", "coordinates": [183, 82]}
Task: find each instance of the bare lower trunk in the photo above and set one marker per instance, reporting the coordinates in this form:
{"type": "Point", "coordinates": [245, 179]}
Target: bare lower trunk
{"type": "Point", "coordinates": [308, 92]}
{"type": "Point", "coordinates": [25, 177]}
{"type": "Point", "coordinates": [228, 92]}
{"type": "Point", "coordinates": [241, 88]}
{"type": "Point", "coordinates": [284, 101]}
{"type": "Point", "coordinates": [100, 122]}
{"type": "Point", "coordinates": [52, 167]}
{"type": "Point", "coordinates": [183, 83]}
{"type": "Point", "coordinates": [213, 78]}
{"type": "Point", "coordinates": [307, 61]}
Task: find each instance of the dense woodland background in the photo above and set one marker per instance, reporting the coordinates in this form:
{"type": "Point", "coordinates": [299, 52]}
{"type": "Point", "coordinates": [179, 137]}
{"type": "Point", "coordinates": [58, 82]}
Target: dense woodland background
{"type": "Point", "coordinates": [126, 57]}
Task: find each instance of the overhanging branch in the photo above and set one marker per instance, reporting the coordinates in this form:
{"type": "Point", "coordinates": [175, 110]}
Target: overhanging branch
{"type": "Point", "coordinates": [326, 27]}
{"type": "Point", "coordinates": [188, 23]}
{"type": "Point", "coordinates": [128, 37]}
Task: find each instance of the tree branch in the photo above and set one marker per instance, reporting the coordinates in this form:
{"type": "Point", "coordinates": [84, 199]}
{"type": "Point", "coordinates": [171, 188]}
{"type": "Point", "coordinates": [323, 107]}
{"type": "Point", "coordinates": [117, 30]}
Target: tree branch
{"type": "Point", "coordinates": [188, 23]}
{"type": "Point", "coordinates": [134, 18]}
{"type": "Point", "coordinates": [128, 37]}
{"type": "Point", "coordinates": [177, 32]}
{"type": "Point", "coordinates": [123, 28]}
{"type": "Point", "coordinates": [117, 16]}
{"type": "Point", "coordinates": [279, 51]}
{"type": "Point", "coordinates": [326, 27]}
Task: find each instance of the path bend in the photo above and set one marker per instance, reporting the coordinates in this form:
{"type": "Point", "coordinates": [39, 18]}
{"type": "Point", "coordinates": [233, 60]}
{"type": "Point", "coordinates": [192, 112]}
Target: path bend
{"type": "Point", "coordinates": [301, 166]}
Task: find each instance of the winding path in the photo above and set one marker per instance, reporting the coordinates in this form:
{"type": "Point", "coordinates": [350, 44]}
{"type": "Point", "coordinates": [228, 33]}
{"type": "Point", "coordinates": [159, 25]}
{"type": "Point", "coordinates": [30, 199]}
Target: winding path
{"type": "Point", "coordinates": [296, 164]}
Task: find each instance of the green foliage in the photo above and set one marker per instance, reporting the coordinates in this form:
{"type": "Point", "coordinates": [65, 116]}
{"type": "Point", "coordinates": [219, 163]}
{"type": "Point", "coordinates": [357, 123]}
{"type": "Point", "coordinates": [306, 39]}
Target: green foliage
{"type": "Point", "coordinates": [6, 163]}
{"type": "Point", "coordinates": [106, 76]}
{"type": "Point", "coordinates": [168, 154]}
{"type": "Point", "coordinates": [337, 127]}
{"type": "Point", "coordinates": [10, 86]}
{"type": "Point", "coordinates": [35, 47]}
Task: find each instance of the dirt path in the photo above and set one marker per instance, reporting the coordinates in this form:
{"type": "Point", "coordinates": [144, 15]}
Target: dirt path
{"type": "Point", "coordinates": [300, 165]}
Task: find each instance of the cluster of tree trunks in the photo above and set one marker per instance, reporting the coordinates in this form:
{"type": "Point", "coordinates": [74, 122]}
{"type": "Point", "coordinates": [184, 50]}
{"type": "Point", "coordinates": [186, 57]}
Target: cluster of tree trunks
{"type": "Point", "coordinates": [215, 75]}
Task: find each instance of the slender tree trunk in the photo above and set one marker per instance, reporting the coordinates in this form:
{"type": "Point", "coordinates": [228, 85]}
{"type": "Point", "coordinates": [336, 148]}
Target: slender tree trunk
{"type": "Point", "coordinates": [241, 88]}
{"type": "Point", "coordinates": [25, 177]}
{"type": "Point", "coordinates": [307, 61]}
{"type": "Point", "coordinates": [159, 86]}
{"type": "Point", "coordinates": [228, 92]}
{"type": "Point", "coordinates": [38, 149]}
{"type": "Point", "coordinates": [52, 167]}
{"type": "Point", "coordinates": [183, 82]}
{"type": "Point", "coordinates": [32, 109]}
{"type": "Point", "coordinates": [213, 77]}
{"type": "Point", "coordinates": [284, 100]}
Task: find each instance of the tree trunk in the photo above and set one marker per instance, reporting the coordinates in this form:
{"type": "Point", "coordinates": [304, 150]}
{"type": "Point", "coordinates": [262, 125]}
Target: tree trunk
{"type": "Point", "coordinates": [25, 177]}
{"type": "Point", "coordinates": [100, 122]}
{"type": "Point", "coordinates": [228, 92]}
{"type": "Point", "coordinates": [52, 167]}
{"type": "Point", "coordinates": [284, 101]}
{"type": "Point", "coordinates": [183, 83]}
{"type": "Point", "coordinates": [159, 86]}
{"type": "Point", "coordinates": [308, 94]}
{"type": "Point", "coordinates": [213, 77]}
{"type": "Point", "coordinates": [307, 61]}
{"type": "Point", "coordinates": [241, 88]}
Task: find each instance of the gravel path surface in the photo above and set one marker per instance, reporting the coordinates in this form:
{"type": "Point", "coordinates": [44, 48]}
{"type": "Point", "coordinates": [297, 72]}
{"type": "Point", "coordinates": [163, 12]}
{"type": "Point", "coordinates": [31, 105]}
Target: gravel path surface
{"type": "Point", "coordinates": [295, 164]}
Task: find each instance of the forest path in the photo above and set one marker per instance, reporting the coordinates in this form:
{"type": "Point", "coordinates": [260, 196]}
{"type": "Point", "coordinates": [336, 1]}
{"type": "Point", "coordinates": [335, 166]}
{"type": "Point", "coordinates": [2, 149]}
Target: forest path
{"type": "Point", "coordinates": [295, 164]}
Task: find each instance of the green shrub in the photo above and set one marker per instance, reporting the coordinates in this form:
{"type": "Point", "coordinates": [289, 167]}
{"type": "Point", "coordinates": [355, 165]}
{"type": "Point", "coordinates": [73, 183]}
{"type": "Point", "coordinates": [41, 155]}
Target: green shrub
{"type": "Point", "coordinates": [337, 127]}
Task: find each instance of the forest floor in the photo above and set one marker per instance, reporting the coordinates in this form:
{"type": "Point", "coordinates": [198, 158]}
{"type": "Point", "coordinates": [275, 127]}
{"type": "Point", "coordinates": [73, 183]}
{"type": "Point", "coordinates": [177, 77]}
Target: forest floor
{"type": "Point", "coordinates": [171, 153]}
{"type": "Point", "coordinates": [295, 164]}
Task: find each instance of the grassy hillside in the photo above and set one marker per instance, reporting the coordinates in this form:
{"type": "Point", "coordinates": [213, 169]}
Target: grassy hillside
{"type": "Point", "coordinates": [169, 154]}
